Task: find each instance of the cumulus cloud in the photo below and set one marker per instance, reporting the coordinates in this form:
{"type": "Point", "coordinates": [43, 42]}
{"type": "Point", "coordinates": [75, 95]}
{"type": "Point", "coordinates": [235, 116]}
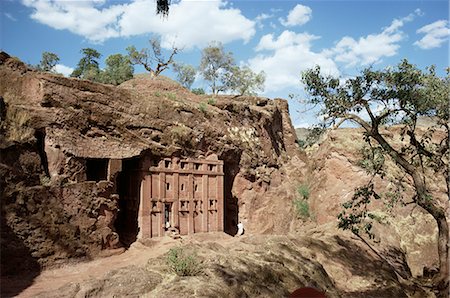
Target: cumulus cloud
{"type": "Point", "coordinates": [190, 23]}
{"type": "Point", "coordinates": [63, 69]}
{"type": "Point", "coordinates": [283, 58]}
{"type": "Point", "coordinates": [373, 47]}
{"type": "Point", "coordinates": [435, 35]}
{"type": "Point", "coordinates": [86, 18]}
{"type": "Point", "coordinates": [299, 15]}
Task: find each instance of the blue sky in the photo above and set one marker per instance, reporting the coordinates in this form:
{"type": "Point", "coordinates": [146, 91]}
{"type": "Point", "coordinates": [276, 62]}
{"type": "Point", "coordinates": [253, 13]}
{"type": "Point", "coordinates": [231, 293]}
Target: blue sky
{"type": "Point", "coordinates": [281, 38]}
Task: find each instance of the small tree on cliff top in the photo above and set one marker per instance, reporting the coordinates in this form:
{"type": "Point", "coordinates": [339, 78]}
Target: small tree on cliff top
{"type": "Point", "coordinates": [88, 67]}
{"type": "Point", "coordinates": [397, 95]}
{"type": "Point", "coordinates": [48, 62]}
{"type": "Point", "coordinates": [216, 66]}
{"type": "Point", "coordinates": [152, 60]}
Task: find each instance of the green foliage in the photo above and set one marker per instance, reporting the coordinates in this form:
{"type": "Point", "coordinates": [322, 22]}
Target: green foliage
{"type": "Point", "coordinates": [152, 60]}
{"type": "Point", "coordinates": [396, 95]}
{"type": "Point", "coordinates": [185, 74]}
{"type": "Point", "coordinates": [303, 191]}
{"type": "Point", "coordinates": [48, 62]}
{"type": "Point", "coordinates": [181, 263]}
{"type": "Point", "coordinates": [355, 216]}
{"type": "Point", "coordinates": [88, 67]}
{"type": "Point", "coordinates": [301, 207]}
{"type": "Point", "coordinates": [202, 107]}
{"type": "Point", "coordinates": [372, 160]}
{"type": "Point", "coordinates": [198, 91]}
{"type": "Point", "coordinates": [118, 70]}
{"type": "Point", "coordinates": [211, 101]}
{"type": "Point", "coordinates": [171, 96]}
{"type": "Point", "coordinates": [216, 66]}
{"type": "Point", "coordinates": [244, 81]}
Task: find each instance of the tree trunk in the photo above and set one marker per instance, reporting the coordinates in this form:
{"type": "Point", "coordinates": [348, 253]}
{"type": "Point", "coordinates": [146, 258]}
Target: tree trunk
{"type": "Point", "coordinates": [438, 213]}
{"type": "Point", "coordinates": [426, 202]}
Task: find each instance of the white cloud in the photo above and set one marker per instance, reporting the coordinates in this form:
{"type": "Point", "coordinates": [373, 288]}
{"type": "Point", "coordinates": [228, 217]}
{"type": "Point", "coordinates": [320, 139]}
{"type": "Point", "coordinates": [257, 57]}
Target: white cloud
{"type": "Point", "coordinates": [85, 18]}
{"type": "Point", "coordinates": [283, 58]}
{"type": "Point", "coordinates": [190, 23]}
{"type": "Point", "coordinates": [63, 69]}
{"type": "Point", "coordinates": [299, 15]}
{"type": "Point", "coordinates": [373, 47]}
{"type": "Point", "coordinates": [10, 16]}
{"type": "Point", "coordinates": [435, 35]}
{"type": "Point", "coordinates": [261, 18]}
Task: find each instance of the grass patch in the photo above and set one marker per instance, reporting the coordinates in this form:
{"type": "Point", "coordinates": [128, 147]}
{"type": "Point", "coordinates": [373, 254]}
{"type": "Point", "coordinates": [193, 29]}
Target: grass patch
{"type": "Point", "coordinates": [171, 96]}
{"type": "Point", "coordinates": [301, 204]}
{"type": "Point", "coordinates": [182, 263]}
{"type": "Point", "coordinates": [202, 107]}
{"type": "Point", "coordinates": [301, 208]}
{"type": "Point", "coordinates": [303, 191]}
{"type": "Point", "coordinates": [211, 101]}
{"type": "Point", "coordinates": [18, 126]}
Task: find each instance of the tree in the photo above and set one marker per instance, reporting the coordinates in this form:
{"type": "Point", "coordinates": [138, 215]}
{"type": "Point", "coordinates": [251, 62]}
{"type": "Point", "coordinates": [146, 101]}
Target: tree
{"type": "Point", "coordinates": [185, 74]}
{"type": "Point", "coordinates": [216, 67]}
{"type": "Point", "coordinates": [48, 62]}
{"type": "Point", "coordinates": [146, 58]}
{"type": "Point", "coordinates": [397, 95]}
{"type": "Point", "coordinates": [118, 70]}
{"type": "Point", "coordinates": [87, 67]}
{"type": "Point", "coordinates": [246, 82]}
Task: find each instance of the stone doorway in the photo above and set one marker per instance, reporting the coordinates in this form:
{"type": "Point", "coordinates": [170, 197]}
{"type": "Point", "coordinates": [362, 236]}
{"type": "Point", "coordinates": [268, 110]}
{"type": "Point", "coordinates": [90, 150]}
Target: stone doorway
{"type": "Point", "coordinates": [128, 188]}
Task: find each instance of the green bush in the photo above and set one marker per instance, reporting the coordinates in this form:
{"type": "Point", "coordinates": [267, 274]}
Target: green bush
{"type": "Point", "coordinates": [181, 263]}
{"type": "Point", "coordinates": [303, 191]}
{"type": "Point", "coordinates": [202, 107]}
{"type": "Point", "coordinates": [198, 91]}
{"type": "Point", "coordinates": [301, 208]}
{"type": "Point", "coordinates": [171, 96]}
{"type": "Point", "coordinates": [211, 101]}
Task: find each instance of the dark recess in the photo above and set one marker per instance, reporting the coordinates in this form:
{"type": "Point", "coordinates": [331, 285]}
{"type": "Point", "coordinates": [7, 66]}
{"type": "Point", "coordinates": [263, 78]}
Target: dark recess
{"type": "Point", "coordinates": [96, 169]}
{"type": "Point", "coordinates": [231, 206]}
{"type": "Point", "coordinates": [128, 187]}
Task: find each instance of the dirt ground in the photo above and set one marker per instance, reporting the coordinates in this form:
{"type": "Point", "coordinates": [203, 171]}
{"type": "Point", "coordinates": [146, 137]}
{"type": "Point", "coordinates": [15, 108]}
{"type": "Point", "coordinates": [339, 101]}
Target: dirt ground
{"type": "Point", "coordinates": [138, 254]}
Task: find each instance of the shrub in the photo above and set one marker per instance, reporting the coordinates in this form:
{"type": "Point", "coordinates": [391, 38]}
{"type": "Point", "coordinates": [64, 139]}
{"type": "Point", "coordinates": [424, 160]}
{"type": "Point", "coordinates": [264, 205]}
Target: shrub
{"type": "Point", "coordinates": [211, 101]}
{"type": "Point", "coordinates": [198, 91]}
{"type": "Point", "coordinates": [303, 191]}
{"type": "Point", "coordinates": [171, 96]}
{"type": "Point", "coordinates": [301, 208]}
{"type": "Point", "coordinates": [202, 107]}
{"type": "Point", "coordinates": [18, 126]}
{"type": "Point", "coordinates": [181, 263]}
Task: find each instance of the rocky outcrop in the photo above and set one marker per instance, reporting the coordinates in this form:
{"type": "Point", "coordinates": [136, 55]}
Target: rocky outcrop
{"type": "Point", "coordinates": [60, 136]}
{"type": "Point", "coordinates": [335, 172]}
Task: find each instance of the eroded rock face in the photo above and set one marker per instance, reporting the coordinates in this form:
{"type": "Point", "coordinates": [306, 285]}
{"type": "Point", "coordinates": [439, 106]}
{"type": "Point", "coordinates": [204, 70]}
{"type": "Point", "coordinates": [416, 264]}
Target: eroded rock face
{"type": "Point", "coordinates": [56, 127]}
{"type": "Point", "coordinates": [335, 173]}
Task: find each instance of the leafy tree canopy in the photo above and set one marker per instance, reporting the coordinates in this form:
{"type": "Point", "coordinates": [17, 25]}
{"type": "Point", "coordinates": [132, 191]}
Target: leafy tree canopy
{"type": "Point", "coordinates": [216, 66]}
{"type": "Point", "coordinates": [88, 67]}
{"type": "Point", "coordinates": [219, 68]}
{"type": "Point", "coordinates": [118, 70]}
{"type": "Point", "coordinates": [48, 62]}
{"type": "Point", "coordinates": [244, 81]}
{"type": "Point", "coordinates": [152, 60]}
{"type": "Point", "coordinates": [398, 95]}
{"type": "Point", "coordinates": [185, 74]}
